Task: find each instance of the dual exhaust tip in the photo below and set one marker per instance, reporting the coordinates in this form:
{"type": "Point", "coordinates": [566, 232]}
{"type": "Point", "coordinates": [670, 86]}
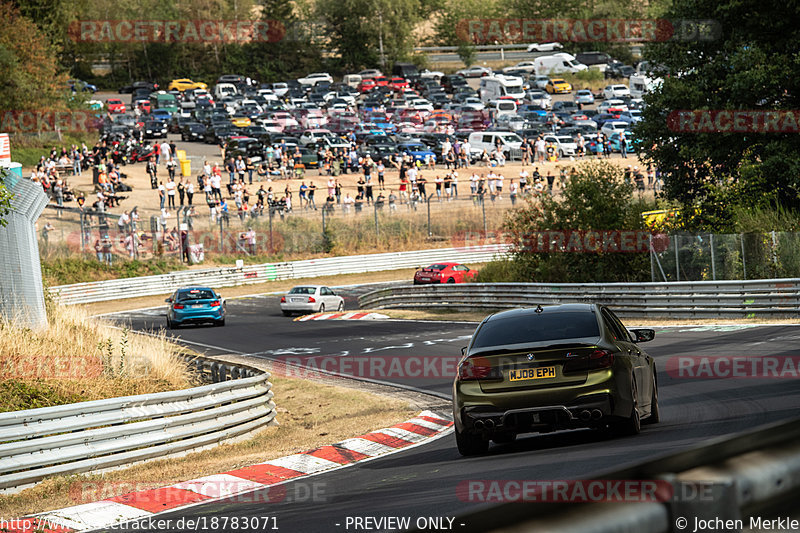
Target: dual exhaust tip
{"type": "Point", "coordinates": [594, 414]}
{"type": "Point", "coordinates": [585, 415]}
{"type": "Point", "coordinates": [485, 424]}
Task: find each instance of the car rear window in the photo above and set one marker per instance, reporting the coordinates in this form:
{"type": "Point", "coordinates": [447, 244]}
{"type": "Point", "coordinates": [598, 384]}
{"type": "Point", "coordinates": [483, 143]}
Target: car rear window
{"type": "Point", "coordinates": [436, 267]}
{"type": "Point", "coordinates": [530, 328]}
{"type": "Point", "coordinates": [196, 294]}
{"type": "Point", "coordinates": [303, 290]}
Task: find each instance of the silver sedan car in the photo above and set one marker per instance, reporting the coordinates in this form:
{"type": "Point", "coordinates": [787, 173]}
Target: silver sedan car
{"type": "Point", "coordinates": [311, 299]}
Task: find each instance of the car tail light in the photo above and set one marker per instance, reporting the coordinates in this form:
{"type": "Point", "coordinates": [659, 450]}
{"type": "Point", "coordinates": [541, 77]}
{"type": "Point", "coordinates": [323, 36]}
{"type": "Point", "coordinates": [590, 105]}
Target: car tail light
{"type": "Point", "coordinates": [477, 368]}
{"type": "Point", "coordinates": [215, 303]}
{"type": "Point", "coordinates": [311, 300]}
{"type": "Point", "coordinates": [177, 306]}
{"type": "Point", "coordinates": [283, 299]}
{"type": "Point", "coordinates": [601, 359]}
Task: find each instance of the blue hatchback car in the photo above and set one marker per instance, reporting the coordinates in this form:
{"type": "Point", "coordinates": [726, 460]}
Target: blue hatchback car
{"type": "Point", "coordinates": [195, 305]}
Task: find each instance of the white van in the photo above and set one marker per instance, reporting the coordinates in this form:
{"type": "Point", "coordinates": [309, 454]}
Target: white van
{"type": "Point", "coordinates": [493, 87]}
{"type": "Point", "coordinates": [557, 64]}
{"type": "Point", "coordinates": [221, 90]}
{"type": "Point", "coordinates": [489, 140]}
{"type": "Point", "coordinates": [641, 85]}
{"type": "Point", "coordinates": [352, 80]}
{"type": "Point", "coordinates": [499, 108]}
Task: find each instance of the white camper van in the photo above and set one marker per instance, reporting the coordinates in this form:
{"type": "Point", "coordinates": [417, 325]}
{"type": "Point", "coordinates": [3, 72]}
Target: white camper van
{"type": "Point", "coordinates": [641, 85]}
{"type": "Point", "coordinates": [494, 87]}
{"type": "Point", "coordinates": [557, 64]}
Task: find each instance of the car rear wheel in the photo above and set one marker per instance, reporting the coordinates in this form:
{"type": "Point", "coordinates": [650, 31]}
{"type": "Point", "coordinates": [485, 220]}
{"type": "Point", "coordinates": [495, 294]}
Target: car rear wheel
{"type": "Point", "coordinates": [633, 424]}
{"type": "Point", "coordinates": [451, 280]}
{"type": "Point", "coordinates": [655, 413]}
{"type": "Point", "coordinates": [321, 308]}
{"type": "Point", "coordinates": [287, 313]}
{"type": "Point", "coordinates": [170, 324]}
{"type": "Point", "coordinates": [471, 444]}
{"type": "Point", "coordinates": [341, 307]}
{"type": "Point", "coordinates": [219, 323]}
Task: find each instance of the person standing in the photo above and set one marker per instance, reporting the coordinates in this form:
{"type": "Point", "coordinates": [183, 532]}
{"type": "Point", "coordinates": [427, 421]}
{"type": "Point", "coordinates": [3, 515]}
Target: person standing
{"type": "Point", "coordinates": [166, 153]}
{"type": "Point", "coordinates": [171, 166]}
{"type": "Point", "coordinates": [162, 194]}
{"type": "Point", "coordinates": [170, 187]}
{"type": "Point", "coordinates": [152, 171]}
{"type": "Point", "coordinates": [623, 144]}
{"type": "Point", "coordinates": [189, 193]}
{"type": "Point", "coordinates": [311, 190]}
{"type": "Point", "coordinates": [381, 170]}
{"type": "Point", "coordinates": [181, 187]}
{"type": "Point", "coordinates": [250, 167]}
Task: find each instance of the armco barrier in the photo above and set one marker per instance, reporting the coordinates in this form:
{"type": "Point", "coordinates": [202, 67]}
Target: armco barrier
{"type": "Point", "coordinates": [752, 474]}
{"type": "Point", "coordinates": [117, 289]}
{"type": "Point", "coordinates": [697, 299]}
{"type": "Point", "coordinates": [96, 435]}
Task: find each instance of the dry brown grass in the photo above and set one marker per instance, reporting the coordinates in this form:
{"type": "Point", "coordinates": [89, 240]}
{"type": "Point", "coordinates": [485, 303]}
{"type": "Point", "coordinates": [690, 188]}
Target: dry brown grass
{"type": "Point", "coordinates": [78, 359]}
{"type": "Point", "coordinates": [309, 414]}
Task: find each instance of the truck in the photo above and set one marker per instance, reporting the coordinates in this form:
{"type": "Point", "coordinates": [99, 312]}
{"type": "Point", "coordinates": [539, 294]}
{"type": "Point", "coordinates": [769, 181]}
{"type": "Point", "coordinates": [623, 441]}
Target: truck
{"type": "Point", "coordinates": [557, 64]}
{"type": "Point", "coordinates": [497, 86]}
{"type": "Point", "coordinates": [641, 85]}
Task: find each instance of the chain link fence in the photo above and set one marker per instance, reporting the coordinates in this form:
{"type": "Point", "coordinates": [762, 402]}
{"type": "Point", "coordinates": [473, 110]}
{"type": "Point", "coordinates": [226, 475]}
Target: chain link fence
{"type": "Point", "coordinates": [739, 256]}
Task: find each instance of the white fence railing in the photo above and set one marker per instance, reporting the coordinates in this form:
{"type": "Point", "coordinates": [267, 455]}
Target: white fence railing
{"type": "Point", "coordinates": [117, 289]}
{"type": "Point", "coordinates": [91, 436]}
{"type": "Point", "coordinates": [718, 299]}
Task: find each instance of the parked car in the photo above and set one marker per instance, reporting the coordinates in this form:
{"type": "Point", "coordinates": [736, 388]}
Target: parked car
{"type": "Point", "coordinates": [444, 273]}
{"type": "Point", "coordinates": [185, 83]}
{"type": "Point", "coordinates": [311, 298]}
{"type": "Point", "coordinates": [115, 105]}
{"type": "Point", "coordinates": [558, 86]}
{"type": "Point", "coordinates": [195, 305]}
{"type": "Point", "coordinates": [475, 72]}
{"type": "Point", "coordinates": [194, 131]}
{"type": "Point", "coordinates": [616, 91]}
{"type": "Point", "coordinates": [584, 97]}
{"type": "Point", "coordinates": [315, 78]}
{"type": "Point", "coordinates": [549, 368]}
{"type": "Point", "coordinates": [544, 47]}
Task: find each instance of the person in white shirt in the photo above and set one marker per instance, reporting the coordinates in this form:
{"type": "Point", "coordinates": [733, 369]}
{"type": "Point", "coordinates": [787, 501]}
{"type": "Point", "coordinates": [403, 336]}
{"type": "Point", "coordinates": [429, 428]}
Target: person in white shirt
{"type": "Point", "coordinates": [170, 186]}
{"type": "Point", "coordinates": [347, 202]}
{"type": "Point", "coordinates": [513, 190]}
{"type": "Point", "coordinates": [454, 184]}
{"type": "Point", "coordinates": [473, 184]}
{"type": "Point", "coordinates": [499, 186]}
{"type": "Point", "coordinates": [166, 153]}
{"type": "Point", "coordinates": [189, 193]}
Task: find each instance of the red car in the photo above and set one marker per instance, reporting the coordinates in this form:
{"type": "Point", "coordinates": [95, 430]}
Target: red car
{"type": "Point", "coordinates": [444, 273]}
{"type": "Point", "coordinates": [366, 85]}
{"type": "Point", "coordinates": [115, 105]}
{"type": "Point", "coordinates": [381, 81]}
{"type": "Point", "coordinates": [144, 106]}
{"type": "Point", "coordinates": [398, 83]}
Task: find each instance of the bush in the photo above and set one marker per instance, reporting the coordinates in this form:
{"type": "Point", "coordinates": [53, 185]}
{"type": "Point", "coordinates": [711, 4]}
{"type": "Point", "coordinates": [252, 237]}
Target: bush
{"type": "Point", "coordinates": [596, 197]}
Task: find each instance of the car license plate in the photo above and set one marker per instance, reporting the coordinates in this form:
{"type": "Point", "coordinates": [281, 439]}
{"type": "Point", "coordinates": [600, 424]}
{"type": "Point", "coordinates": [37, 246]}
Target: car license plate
{"type": "Point", "coordinates": [198, 306]}
{"type": "Point", "coordinates": [297, 299]}
{"type": "Point", "coordinates": [525, 374]}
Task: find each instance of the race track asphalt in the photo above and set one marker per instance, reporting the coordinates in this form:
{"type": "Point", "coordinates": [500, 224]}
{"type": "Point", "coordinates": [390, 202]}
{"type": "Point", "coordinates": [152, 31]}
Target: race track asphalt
{"type": "Point", "coordinates": [422, 481]}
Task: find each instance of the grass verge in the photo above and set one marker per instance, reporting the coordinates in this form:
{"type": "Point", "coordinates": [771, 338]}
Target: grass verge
{"type": "Point", "coordinates": [309, 414]}
{"type": "Point", "coordinates": [77, 359]}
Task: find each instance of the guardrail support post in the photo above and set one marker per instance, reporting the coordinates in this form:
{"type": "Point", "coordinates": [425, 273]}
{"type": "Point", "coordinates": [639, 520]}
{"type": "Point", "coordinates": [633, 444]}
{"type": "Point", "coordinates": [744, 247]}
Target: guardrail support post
{"type": "Point", "coordinates": [709, 499]}
{"type": "Point", "coordinates": [713, 257]}
{"type": "Point", "coordinates": [744, 265]}
{"type": "Point", "coordinates": [677, 261]}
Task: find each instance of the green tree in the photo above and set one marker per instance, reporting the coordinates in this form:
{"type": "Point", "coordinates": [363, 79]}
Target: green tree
{"type": "Point", "coordinates": [596, 198]}
{"type": "Point", "coordinates": [355, 29]}
{"type": "Point", "coordinates": [750, 66]}
{"type": "Point", "coordinates": [31, 75]}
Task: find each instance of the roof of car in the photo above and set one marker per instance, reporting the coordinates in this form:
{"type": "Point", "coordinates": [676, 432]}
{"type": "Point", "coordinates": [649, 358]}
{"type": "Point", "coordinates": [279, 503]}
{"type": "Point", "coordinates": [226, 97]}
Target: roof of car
{"type": "Point", "coordinates": [544, 309]}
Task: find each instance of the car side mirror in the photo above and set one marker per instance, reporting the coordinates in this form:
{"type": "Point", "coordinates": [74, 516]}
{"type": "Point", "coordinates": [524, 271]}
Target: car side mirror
{"type": "Point", "coordinates": [168, 300]}
{"type": "Point", "coordinates": [463, 350]}
{"type": "Point", "coordinates": [644, 335]}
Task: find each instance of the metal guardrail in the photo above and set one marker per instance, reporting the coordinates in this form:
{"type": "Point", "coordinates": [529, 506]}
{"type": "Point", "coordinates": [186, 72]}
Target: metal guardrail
{"type": "Point", "coordinates": [91, 436]}
{"type": "Point", "coordinates": [718, 299]}
{"type": "Point", "coordinates": [118, 289]}
{"type": "Point", "coordinates": [752, 474]}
